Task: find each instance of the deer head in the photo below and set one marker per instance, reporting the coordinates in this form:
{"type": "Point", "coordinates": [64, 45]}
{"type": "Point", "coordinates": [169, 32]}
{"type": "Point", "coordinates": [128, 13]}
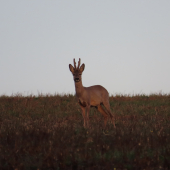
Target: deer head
{"type": "Point", "coordinates": [77, 71]}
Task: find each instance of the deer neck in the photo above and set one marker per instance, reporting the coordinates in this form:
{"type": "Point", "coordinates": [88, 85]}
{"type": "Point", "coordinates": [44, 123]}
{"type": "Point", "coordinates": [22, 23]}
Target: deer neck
{"type": "Point", "coordinates": [79, 88]}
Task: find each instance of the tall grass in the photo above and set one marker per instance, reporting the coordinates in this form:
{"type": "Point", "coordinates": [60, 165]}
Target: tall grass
{"type": "Point", "coordinates": [46, 132]}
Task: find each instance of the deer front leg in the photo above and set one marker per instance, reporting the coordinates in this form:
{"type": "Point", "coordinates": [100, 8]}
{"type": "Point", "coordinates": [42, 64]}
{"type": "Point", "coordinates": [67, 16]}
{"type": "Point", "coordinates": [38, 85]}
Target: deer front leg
{"type": "Point", "coordinates": [83, 109]}
{"type": "Point", "coordinates": [88, 111]}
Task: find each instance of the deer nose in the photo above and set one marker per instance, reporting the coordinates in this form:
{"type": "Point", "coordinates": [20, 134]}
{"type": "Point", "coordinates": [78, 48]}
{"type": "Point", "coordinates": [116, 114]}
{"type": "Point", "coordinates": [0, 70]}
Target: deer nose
{"type": "Point", "coordinates": [76, 79]}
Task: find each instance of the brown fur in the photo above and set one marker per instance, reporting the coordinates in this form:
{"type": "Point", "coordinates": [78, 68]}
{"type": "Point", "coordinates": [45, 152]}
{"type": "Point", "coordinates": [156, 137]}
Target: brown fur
{"type": "Point", "coordinates": [90, 96]}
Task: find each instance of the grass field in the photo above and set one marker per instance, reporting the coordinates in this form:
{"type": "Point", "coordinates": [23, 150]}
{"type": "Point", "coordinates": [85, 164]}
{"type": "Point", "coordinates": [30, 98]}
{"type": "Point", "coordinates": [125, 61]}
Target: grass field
{"type": "Point", "coordinates": [46, 132]}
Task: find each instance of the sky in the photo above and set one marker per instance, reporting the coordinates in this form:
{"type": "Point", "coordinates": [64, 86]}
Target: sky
{"type": "Point", "coordinates": [125, 46]}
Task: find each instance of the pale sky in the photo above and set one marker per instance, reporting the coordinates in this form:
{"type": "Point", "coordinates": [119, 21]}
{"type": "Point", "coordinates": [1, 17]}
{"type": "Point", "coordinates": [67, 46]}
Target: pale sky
{"type": "Point", "coordinates": [125, 45]}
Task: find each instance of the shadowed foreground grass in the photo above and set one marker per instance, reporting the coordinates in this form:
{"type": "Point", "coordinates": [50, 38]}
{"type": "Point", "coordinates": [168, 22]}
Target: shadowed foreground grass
{"type": "Point", "coordinates": [46, 132]}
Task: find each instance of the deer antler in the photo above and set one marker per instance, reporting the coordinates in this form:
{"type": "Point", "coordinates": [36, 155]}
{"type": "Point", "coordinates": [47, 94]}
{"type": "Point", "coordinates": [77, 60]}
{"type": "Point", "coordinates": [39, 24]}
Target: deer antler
{"type": "Point", "coordinates": [79, 63]}
{"type": "Point", "coordinates": [74, 63]}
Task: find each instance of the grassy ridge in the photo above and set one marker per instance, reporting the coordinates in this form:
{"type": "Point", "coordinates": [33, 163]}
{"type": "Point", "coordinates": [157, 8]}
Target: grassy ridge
{"type": "Point", "coordinates": [46, 132]}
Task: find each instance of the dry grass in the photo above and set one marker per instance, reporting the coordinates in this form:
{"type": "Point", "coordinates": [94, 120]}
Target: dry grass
{"type": "Point", "coordinates": [46, 132]}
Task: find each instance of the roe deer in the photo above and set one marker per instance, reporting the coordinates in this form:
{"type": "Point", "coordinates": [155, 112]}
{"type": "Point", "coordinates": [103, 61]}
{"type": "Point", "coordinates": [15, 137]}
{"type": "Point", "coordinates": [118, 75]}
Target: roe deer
{"type": "Point", "coordinates": [93, 96]}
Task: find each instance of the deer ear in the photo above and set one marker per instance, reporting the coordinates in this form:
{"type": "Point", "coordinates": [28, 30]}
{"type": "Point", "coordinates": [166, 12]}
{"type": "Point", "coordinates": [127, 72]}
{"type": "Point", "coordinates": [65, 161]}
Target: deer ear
{"type": "Point", "coordinates": [82, 67]}
{"type": "Point", "coordinates": [71, 68]}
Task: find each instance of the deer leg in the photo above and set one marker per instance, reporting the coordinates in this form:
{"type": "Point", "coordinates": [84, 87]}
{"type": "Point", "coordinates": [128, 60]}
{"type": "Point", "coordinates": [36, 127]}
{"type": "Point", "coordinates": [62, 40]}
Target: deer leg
{"type": "Point", "coordinates": [107, 106]}
{"type": "Point", "coordinates": [102, 111]}
{"type": "Point", "coordinates": [83, 109]}
{"type": "Point", "coordinates": [88, 111]}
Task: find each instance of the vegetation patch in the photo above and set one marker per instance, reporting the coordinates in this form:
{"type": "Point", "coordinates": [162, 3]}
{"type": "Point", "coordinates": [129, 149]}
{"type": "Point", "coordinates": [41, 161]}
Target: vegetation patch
{"type": "Point", "coordinates": [46, 132]}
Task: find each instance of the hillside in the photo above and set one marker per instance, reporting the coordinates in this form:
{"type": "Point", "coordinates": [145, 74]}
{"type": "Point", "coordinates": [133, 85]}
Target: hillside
{"type": "Point", "coordinates": [46, 132]}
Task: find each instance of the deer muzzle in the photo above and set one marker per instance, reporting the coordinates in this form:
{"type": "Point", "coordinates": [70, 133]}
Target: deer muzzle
{"type": "Point", "coordinates": [76, 79]}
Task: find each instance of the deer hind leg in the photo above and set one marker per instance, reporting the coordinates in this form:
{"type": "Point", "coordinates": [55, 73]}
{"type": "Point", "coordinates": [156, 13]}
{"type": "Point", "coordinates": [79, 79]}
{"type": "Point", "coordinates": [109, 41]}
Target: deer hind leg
{"type": "Point", "coordinates": [107, 106]}
{"type": "Point", "coordinates": [102, 111]}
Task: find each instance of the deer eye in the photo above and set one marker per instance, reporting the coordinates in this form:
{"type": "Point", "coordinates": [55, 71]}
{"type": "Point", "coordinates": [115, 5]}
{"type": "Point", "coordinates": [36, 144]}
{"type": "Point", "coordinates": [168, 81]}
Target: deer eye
{"type": "Point", "coordinates": [79, 74]}
{"type": "Point", "coordinates": [73, 74]}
